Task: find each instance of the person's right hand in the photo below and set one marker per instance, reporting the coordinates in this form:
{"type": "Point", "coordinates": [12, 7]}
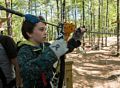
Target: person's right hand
{"type": "Point", "coordinates": [59, 47]}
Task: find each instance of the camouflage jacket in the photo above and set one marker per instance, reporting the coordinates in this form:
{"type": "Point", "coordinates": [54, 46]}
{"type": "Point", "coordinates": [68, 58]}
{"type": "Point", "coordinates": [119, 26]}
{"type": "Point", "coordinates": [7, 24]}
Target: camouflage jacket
{"type": "Point", "coordinates": [35, 63]}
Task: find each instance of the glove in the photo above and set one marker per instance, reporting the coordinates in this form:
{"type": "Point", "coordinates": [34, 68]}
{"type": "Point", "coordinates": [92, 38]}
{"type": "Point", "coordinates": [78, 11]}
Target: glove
{"type": "Point", "coordinates": [78, 34]}
{"type": "Point", "coordinates": [72, 44]}
{"type": "Point", "coordinates": [59, 47]}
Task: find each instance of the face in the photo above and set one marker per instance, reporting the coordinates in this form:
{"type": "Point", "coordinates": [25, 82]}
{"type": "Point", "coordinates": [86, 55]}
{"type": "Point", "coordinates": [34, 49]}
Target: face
{"type": "Point", "coordinates": [39, 33]}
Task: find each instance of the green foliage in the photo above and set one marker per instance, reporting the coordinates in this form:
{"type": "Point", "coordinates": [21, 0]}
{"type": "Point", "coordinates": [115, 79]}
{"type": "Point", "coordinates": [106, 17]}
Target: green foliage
{"type": "Point", "coordinates": [44, 7]}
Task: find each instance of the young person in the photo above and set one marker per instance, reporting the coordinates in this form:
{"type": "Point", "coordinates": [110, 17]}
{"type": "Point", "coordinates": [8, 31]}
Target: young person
{"type": "Point", "coordinates": [9, 69]}
{"type": "Point", "coordinates": [37, 57]}
{"type": "Point", "coordinates": [9, 78]}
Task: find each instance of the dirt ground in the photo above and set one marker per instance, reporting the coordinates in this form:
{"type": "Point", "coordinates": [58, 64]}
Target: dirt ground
{"type": "Point", "coordinates": [97, 71]}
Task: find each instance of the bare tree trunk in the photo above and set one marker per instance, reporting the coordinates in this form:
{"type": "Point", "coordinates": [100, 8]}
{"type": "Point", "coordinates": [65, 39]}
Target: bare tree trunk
{"type": "Point", "coordinates": [99, 23]}
{"type": "Point", "coordinates": [89, 21]}
{"type": "Point", "coordinates": [118, 26]}
{"type": "Point", "coordinates": [75, 14]}
{"type": "Point", "coordinates": [8, 15]}
{"type": "Point", "coordinates": [91, 39]}
{"type": "Point", "coordinates": [35, 7]}
{"type": "Point", "coordinates": [68, 15]}
{"type": "Point", "coordinates": [94, 26]}
{"type": "Point", "coordinates": [83, 7]}
{"type": "Point", "coordinates": [61, 10]}
{"type": "Point", "coordinates": [11, 15]}
{"type": "Point", "coordinates": [102, 22]}
{"type": "Point", "coordinates": [58, 15]}
{"type": "Point", "coordinates": [106, 23]}
{"type": "Point", "coordinates": [81, 20]}
{"type": "Point", "coordinates": [46, 13]}
{"type": "Point", "coordinates": [53, 35]}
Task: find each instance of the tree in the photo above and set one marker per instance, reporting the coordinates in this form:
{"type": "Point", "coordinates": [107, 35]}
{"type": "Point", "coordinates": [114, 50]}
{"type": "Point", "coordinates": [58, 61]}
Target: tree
{"type": "Point", "coordinates": [106, 22]}
{"type": "Point", "coordinates": [118, 26]}
{"type": "Point", "coordinates": [99, 22]}
{"type": "Point", "coordinates": [83, 6]}
{"type": "Point", "coordinates": [9, 16]}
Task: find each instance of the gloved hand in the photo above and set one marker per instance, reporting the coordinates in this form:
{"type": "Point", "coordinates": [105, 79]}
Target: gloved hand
{"type": "Point", "coordinates": [78, 34]}
{"type": "Point", "coordinates": [74, 42]}
{"type": "Point", "coordinates": [59, 47]}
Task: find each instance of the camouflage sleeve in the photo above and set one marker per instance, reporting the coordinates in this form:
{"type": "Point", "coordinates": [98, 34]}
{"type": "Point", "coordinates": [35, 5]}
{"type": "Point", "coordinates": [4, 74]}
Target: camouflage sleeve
{"type": "Point", "coordinates": [31, 67]}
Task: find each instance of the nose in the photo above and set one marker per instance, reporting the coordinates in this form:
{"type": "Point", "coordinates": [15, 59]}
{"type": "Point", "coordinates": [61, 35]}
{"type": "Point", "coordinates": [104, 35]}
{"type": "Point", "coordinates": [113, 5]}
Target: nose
{"type": "Point", "coordinates": [45, 33]}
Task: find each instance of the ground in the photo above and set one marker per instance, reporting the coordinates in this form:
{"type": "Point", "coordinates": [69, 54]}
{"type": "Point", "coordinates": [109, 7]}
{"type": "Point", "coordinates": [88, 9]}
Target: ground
{"type": "Point", "coordinates": [96, 71]}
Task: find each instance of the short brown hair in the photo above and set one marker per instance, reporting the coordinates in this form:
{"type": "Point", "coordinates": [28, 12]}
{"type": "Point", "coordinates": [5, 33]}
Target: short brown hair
{"type": "Point", "coordinates": [27, 27]}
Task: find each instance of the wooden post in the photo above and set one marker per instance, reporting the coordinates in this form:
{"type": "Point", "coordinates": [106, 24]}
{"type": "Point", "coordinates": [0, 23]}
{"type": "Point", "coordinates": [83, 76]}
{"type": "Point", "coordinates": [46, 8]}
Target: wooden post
{"type": "Point", "coordinates": [68, 74]}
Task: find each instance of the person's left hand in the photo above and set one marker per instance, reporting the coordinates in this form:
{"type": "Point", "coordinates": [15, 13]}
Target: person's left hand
{"type": "Point", "coordinates": [74, 42]}
{"type": "Point", "coordinates": [79, 32]}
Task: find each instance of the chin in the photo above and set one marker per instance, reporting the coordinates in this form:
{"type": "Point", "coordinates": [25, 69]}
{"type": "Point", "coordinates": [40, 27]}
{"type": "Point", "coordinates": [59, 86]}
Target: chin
{"type": "Point", "coordinates": [42, 41]}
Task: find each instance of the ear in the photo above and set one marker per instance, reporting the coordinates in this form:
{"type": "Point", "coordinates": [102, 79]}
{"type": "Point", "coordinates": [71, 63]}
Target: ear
{"type": "Point", "coordinates": [29, 34]}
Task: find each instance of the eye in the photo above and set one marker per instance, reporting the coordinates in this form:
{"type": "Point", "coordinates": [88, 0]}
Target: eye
{"type": "Point", "coordinates": [42, 29]}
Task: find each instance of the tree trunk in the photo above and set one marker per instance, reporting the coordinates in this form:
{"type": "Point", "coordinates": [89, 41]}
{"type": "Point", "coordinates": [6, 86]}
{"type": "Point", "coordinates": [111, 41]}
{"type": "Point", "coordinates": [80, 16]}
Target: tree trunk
{"type": "Point", "coordinates": [94, 27]}
{"type": "Point", "coordinates": [91, 22]}
{"type": "Point", "coordinates": [46, 13]}
{"type": "Point", "coordinates": [75, 14]}
{"type": "Point", "coordinates": [68, 15]}
{"type": "Point", "coordinates": [102, 22]}
{"type": "Point", "coordinates": [118, 26]}
{"type": "Point", "coordinates": [61, 10]}
{"type": "Point", "coordinates": [8, 15]}
{"type": "Point", "coordinates": [53, 35]}
{"type": "Point", "coordinates": [58, 10]}
{"type": "Point", "coordinates": [81, 20]}
{"type": "Point", "coordinates": [11, 15]}
{"type": "Point", "coordinates": [106, 22]}
{"type": "Point", "coordinates": [35, 7]}
{"type": "Point", "coordinates": [83, 7]}
{"type": "Point", "coordinates": [99, 23]}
